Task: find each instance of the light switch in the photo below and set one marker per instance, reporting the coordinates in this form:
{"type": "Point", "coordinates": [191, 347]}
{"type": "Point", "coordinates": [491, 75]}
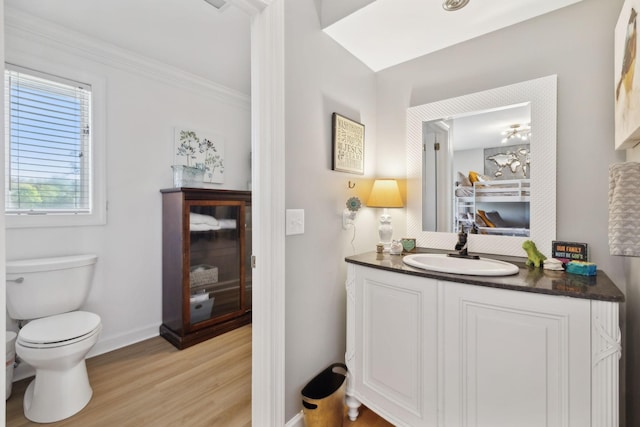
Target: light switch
{"type": "Point", "coordinates": [294, 221]}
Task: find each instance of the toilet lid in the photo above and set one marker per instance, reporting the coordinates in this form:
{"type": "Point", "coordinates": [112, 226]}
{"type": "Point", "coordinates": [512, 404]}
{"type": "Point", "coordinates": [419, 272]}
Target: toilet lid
{"type": "Point", "coordinates": [59, 328]}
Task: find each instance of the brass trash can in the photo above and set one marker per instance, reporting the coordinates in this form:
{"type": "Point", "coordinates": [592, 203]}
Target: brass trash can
{"type": "Point", "coordinates": [323, 397]}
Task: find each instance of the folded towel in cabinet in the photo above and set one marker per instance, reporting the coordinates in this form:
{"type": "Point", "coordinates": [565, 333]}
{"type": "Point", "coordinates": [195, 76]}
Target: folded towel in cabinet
{"type": "Point", "coordinates": [624, 209]}
{"type": "Point", "coordinates": [227, 223]}
{"type": "Point", "coordinates": [203, 227]}
{"type": "Point", "coordinates": [196, 218]}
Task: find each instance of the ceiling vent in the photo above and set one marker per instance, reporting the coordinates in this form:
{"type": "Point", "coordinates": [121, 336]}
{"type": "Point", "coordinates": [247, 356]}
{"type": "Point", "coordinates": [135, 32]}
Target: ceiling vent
{"type": "Point", "coordinates": [218, 4]}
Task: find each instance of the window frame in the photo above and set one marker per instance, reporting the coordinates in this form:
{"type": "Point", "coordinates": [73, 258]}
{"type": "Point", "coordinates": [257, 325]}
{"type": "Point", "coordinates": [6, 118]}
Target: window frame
{"type": "Point", "coordinates": [98, 207]}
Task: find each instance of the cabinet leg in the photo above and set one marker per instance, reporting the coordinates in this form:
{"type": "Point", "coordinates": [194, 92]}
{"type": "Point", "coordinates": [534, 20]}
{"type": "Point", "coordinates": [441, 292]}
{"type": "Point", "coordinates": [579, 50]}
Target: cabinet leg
{"type": "Point", "coordinates": [353, 404]}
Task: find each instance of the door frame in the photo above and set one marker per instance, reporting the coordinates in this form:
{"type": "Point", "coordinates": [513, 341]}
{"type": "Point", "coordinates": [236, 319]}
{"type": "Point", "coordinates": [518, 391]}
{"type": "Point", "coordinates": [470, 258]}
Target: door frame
{"type": "Point", "coordinates": [268, 206]}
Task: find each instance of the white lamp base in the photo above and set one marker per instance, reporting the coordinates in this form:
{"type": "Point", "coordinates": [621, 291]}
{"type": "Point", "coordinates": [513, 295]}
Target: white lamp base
{"type": "Point", "coordinates": [385, 231]}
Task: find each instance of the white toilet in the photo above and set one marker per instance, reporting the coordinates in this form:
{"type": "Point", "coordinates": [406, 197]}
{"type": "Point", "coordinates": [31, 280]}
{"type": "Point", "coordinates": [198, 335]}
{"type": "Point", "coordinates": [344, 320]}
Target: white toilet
{"type": "Point", "coordinates": [57, 338]}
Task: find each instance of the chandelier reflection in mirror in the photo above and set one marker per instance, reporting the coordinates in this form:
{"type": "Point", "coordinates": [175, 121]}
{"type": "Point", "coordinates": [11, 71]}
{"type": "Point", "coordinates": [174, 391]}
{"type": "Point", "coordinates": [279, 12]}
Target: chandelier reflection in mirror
{"type": "Point", "coordinates": [522, 132]}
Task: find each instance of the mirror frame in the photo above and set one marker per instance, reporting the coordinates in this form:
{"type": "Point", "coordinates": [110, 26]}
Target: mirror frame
{"type": "Point", "coordinates": [541, 93]}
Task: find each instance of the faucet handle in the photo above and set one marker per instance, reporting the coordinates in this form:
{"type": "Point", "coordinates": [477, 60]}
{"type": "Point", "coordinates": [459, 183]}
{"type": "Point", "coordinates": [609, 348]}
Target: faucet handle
{"type": "Point", "coordinates": [462, 239]}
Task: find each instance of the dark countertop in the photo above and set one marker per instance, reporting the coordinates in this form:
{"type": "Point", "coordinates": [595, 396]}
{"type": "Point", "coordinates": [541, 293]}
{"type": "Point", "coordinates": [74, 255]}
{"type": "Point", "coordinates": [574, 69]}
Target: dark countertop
{"type": "Point", "coordinates": [538, 280]}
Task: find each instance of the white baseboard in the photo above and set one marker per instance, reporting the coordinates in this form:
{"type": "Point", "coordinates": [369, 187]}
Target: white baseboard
{"type": "Point", "coordinates": [122, 340]}
{"type": "Point", "coordinates": [297, 421]}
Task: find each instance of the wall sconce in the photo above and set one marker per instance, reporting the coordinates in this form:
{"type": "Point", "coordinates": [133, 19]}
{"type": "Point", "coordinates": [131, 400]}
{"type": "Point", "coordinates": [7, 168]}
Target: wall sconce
{"type": "Point", "coordinates": [385, 194]}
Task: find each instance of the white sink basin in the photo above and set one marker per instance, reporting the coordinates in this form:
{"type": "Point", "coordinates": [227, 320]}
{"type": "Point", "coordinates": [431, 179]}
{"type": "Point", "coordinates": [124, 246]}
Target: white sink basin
{"type": "Point", "coordinates": [474, 267]}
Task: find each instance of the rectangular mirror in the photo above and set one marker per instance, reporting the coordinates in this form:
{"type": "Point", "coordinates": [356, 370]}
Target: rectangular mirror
{"type": "Point", "coordinates": [493, 146]}
{"type": "Point", "coordinates": [514, 199]}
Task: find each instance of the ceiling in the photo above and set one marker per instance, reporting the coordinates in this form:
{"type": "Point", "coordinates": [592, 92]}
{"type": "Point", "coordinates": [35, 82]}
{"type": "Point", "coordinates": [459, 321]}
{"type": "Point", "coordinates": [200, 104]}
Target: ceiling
{"type": "Point", "coordinates": [385, 33]}
{"type": "Point", "coordinates": [188, 34]}
{"type": "Point", "coordinates": [195, 36]}
{"type": "Point", "coordinates": [484, 129]}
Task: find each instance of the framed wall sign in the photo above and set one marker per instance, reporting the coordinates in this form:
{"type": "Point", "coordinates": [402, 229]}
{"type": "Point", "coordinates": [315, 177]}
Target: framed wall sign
{"type": "Point", "coordinates": [347, 145]}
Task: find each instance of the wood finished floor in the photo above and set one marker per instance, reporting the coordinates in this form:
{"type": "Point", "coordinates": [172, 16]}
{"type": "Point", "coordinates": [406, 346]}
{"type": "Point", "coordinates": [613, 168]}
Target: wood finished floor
{"type": "Point", "coordinates": [153, 384]}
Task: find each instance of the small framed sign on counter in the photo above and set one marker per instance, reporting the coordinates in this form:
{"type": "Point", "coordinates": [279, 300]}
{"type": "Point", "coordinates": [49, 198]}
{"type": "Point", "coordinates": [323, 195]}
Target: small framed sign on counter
{"type": "Point", "coordinates": [569, 251]}
{"type": "Point", "coordinates": [408, 244]}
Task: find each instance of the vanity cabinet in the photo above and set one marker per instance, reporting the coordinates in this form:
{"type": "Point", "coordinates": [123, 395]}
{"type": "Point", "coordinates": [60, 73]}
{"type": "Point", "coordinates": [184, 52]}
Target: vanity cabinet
{"type": "Point", "coordinates": [514, 358]}
{"type": "Point", "coordinates": [428, 352]}
{"type": "Point", "coordinates": [206, 263]}
{"type": "Point", "coordinates": [391, 356]}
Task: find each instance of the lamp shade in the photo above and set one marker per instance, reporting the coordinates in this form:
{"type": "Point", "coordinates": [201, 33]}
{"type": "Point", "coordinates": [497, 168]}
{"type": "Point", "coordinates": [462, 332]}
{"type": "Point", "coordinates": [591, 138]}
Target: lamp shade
{"type": "Point", "coordinates": [385, 194]}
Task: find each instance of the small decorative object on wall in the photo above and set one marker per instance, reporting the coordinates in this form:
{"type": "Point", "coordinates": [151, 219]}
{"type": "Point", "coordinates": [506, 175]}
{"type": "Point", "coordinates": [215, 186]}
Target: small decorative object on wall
{"type": "Point", "coordinates": [349, 214]}
{"type": "Point", "coordinates": [627, 83]}
{"type": "Point", "coordinates": [347, 145]}
{"type": "Point", "coordinates": [354, 204]}
{"type": "Point", "coordinates": [510, 162]}
{"type": "Point", "coordinates": [201, 150]}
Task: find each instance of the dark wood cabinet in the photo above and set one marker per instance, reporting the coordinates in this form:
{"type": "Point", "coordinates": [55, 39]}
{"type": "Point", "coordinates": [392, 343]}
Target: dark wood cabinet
{"type": "Point", "coordinates": [206, 263]}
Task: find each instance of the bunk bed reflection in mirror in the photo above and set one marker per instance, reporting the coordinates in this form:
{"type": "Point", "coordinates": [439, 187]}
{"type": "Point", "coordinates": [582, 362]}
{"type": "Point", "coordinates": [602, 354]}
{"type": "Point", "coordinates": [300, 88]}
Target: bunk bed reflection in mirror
{"type": "Point", "coordinates": [498, 201]}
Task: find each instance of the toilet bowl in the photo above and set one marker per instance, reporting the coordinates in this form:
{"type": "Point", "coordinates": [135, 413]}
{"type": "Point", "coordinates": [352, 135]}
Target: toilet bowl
{"type": "Point", "coordinates": [57, 337]}
{"type": "Point", "coordinates": [56, 347]}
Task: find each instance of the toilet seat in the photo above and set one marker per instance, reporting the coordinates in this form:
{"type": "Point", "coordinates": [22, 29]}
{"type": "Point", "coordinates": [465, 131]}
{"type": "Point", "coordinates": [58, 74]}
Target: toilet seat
{"type": "Point", "coordinates": [59, 330]}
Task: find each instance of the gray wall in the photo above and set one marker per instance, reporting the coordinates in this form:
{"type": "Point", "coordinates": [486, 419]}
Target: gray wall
{"type": "Point", "coordinates": [321, 78]}
{"type": "Point", "coordinates": [576, 43]}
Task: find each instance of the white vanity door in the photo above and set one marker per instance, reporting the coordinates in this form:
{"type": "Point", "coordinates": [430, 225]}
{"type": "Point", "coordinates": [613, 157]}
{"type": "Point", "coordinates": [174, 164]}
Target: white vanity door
{"type": "Point", "coordinates": [514, 358]}
{"type": "Point", "coordinates": [395, 352]}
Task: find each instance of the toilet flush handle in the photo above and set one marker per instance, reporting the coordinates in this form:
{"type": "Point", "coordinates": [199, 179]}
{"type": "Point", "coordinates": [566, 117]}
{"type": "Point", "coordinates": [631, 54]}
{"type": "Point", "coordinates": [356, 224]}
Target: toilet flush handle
{"type": "Point", "coordinates": [18, 280]}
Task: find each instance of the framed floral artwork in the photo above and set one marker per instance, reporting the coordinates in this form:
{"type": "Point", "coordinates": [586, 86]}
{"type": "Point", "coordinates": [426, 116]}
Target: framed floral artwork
{"type": "Point", "coordinates": [200, 149]}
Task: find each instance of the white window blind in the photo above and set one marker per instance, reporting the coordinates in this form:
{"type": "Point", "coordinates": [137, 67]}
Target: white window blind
{"type": "Point", "coordinates": [48, 134]}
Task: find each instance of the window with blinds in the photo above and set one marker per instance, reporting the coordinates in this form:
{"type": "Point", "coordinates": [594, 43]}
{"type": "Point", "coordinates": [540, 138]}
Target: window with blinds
{"type": "Point", "coordinates": [48, 149]}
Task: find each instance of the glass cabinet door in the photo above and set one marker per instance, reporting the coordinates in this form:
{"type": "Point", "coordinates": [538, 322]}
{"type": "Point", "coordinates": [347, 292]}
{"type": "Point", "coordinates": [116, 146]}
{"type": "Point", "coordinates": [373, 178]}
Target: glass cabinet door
{"type": "Point", "coordinates": [215, 260]}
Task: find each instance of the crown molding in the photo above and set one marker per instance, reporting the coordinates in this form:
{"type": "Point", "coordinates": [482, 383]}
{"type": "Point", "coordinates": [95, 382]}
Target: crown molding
{"type": "Point", "coordinates": [47, 34]}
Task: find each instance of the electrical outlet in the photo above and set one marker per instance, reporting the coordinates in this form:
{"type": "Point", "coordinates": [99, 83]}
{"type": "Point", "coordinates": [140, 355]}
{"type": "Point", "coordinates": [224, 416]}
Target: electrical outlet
{"type": "Point", "coordinates": [294, 221]}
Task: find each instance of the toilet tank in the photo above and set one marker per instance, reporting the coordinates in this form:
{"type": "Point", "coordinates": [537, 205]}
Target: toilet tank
{"type": "Point", "coordinates": [42, 287]}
